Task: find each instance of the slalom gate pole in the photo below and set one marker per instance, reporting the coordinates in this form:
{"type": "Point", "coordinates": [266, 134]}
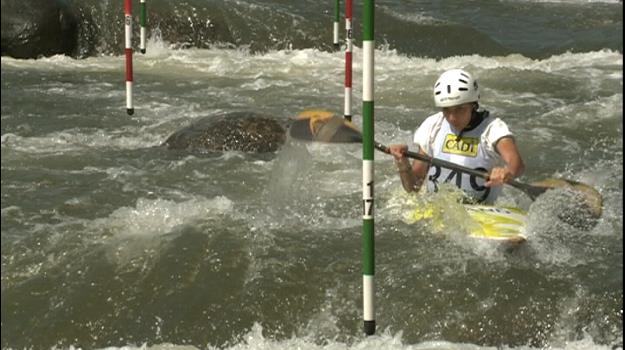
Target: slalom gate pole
{"type": "Point", "coordinates": [347, 112]}
{"type": "Point", "coordinates": [337, 15]}
{"type": "Point", "coordinates": [368, 291]}
{"type": "Point", "coordinates": [142, 22]}
{"type": "Point", "coordinates": [128, 31]}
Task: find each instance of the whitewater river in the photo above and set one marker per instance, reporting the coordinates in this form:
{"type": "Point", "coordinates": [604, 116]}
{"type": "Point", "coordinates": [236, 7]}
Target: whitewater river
{"type": "Point", "coordinates": [111, 241]}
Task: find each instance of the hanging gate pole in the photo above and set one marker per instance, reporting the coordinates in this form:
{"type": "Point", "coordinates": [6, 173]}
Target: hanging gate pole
{"type": "Point", "coordinates": [368, 291]}
{"type": "Point", "coordinates": [347, 111]}
{"type": "Point", "coordinates": [142, 22]}
{"type": "Point", "coordinates": [335, 27]}
{"type": "Point", "coordinates": [128, 50]}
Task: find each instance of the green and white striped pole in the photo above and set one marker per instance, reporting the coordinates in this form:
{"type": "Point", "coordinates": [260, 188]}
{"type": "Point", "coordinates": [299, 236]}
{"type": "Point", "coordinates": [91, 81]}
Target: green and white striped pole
{"type": "Point", "coordinates": [368, 271]}
{"type": "Point", "coordinates": [337, 15]}
{"type": "Point", "coordinates": [142, 22]}
{"type": "Point", "coordinates": [347, 108]}
{"type": "Point", "coordinates": [128, 51]}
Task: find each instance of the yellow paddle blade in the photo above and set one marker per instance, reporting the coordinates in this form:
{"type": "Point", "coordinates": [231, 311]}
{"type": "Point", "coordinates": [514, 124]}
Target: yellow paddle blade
{"type": "Point", "coordinates": [592, 199]}
{"type": "Point", "coordinates": [316, 118]}
{"type": "Point", "coordinates": [324, 126]}
{"type": "Point", "coordinates": [314, 114]}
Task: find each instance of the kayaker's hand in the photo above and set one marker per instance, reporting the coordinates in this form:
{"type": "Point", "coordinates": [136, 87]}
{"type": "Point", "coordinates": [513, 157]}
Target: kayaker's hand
{"type": "Point", "coordinates": [398, 151]}
{"type": "Point", "coordinates": [498, 176]}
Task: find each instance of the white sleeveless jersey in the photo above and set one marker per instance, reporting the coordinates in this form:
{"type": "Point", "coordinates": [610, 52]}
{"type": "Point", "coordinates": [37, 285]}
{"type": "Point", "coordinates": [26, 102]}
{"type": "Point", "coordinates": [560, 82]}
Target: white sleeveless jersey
{"type": "Point", "coordinates": [476, 150]}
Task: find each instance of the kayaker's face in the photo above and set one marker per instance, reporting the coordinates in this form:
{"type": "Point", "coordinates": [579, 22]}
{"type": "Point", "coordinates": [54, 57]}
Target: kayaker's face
{"type": "Point", "coordinates": [458, 116]}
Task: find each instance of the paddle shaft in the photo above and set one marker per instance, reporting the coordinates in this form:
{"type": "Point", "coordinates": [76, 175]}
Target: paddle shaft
{"type": "Point", "coordinates": [532, 191]}
{"type": "Point", "coordinates": [335, 129]}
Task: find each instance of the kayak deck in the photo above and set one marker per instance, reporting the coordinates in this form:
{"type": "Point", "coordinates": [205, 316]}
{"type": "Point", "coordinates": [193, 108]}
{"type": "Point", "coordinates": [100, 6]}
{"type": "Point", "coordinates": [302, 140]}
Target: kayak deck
{"type": "Point", "coordinates": [506, 224]}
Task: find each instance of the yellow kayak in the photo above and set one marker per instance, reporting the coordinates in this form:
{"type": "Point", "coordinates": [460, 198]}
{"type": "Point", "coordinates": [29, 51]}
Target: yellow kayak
{"type": "Point", "coordinates": [501, 223]}
{"type": "Point", "coordinates": [498, 223]}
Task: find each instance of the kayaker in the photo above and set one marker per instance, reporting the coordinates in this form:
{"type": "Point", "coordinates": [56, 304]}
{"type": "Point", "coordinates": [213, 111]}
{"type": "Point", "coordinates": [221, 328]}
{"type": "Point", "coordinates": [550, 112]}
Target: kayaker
{"type": "Point", "coordinates": [465, 134]}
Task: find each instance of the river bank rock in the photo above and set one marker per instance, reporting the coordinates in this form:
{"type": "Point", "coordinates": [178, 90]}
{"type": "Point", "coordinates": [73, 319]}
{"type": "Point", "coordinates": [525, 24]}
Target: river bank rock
{"type": "Point", "coordinates": [31, 29]}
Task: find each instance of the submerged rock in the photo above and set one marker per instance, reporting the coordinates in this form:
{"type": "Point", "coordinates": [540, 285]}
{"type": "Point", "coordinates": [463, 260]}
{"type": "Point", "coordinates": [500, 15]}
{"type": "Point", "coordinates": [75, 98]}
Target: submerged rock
{"type": "Point", "coordinates": [566, 206]}
{"type": "Point", "coordinates": [580, 205]}
{"type": "Point", "coordinates": [236, 131]}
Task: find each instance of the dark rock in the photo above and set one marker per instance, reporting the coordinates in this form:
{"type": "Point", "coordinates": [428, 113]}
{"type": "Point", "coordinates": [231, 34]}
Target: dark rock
{"type": "Point", "coordinates": [31, 29]}
{"type": "Point", "coordinates": [237, 131]}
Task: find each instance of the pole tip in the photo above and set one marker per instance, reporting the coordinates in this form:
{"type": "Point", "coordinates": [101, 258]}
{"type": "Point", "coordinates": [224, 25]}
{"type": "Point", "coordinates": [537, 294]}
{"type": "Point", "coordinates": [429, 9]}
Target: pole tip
{"type": "Point", "coordinates": [130, 111]}
{"type": "Point", "coordinates": [369, 327]}
{"type": "Point", "coordinates": [142, 50]}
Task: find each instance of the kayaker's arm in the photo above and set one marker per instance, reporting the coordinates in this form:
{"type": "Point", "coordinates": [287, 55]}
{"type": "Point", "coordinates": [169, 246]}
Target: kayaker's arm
{"type": "Point", "coordinates": [411, 176]}
{"type": "Point", "coordinates": [506, 147]}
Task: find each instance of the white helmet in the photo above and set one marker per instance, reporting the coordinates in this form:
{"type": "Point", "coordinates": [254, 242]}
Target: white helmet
{"type": "Point", "coordinates": [455, 87]}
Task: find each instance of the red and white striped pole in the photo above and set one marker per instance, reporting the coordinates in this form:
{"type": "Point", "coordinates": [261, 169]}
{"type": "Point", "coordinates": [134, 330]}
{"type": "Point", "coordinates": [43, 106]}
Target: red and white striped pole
{"type": "Point", "coordinates": [347, 112]}
{"type": "Point", "coordinates": [128, 25]}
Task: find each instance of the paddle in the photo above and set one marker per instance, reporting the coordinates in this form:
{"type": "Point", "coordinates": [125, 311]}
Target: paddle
{"type": "Point", "coordinates": [324, 126]}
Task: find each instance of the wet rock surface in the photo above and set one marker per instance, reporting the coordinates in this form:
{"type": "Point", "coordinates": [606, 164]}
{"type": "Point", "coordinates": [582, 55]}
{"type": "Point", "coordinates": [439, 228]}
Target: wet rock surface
{"type": "Point", "coordinates": [238, 131]}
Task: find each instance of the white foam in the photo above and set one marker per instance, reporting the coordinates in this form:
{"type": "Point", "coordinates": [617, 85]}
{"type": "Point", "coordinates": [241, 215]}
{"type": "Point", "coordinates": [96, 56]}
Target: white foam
{"type": "Point", "coordinates": [78, 140]}
{"type": "Point", "coordinates": [243, 64]}
{"type": "Point", "coordinates": [155, 217]}
{"type": "Point", "coordinates": [407, 16]}
{"type": "Point", "coordinates": [383, 340]}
